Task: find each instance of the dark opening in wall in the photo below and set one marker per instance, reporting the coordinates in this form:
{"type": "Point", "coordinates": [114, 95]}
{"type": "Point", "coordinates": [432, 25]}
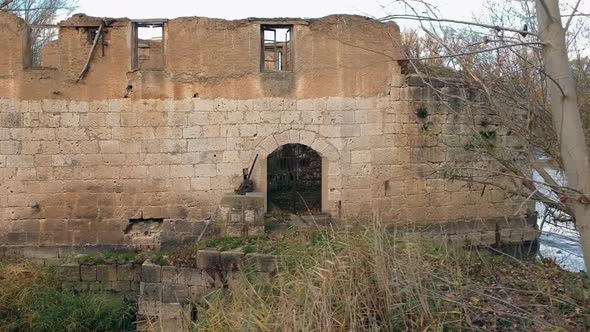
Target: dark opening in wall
{"type": "Point", "coordinates": [276, 48]}
{"type": "Point", "coordinates": [294, 180]}
{"type": "Point", "coordinates": [144, 234]}
{"type": "Point", "coordinates": [91, 35]}
{"type": "Point", "coordinates": [148, 39]}
{"type": "Point", "coordinates": [43, 49]}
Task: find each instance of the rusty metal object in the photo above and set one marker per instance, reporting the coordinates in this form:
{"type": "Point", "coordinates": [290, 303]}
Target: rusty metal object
{"type": "Point", "coordinates": [247, 185]}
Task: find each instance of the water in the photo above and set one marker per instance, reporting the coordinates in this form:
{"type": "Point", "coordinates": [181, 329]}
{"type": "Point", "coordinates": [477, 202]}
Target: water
{"type": "Point", "coordinates": [559, 243]}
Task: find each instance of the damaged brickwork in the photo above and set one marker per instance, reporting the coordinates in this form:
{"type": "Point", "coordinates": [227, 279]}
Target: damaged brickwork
{"type": "Point", "coordinates": [112, 129]}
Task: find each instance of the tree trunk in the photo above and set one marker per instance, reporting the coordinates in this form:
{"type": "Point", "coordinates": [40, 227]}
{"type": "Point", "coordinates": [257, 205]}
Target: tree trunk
{"type": "Point", "coordinates": [566, 117]}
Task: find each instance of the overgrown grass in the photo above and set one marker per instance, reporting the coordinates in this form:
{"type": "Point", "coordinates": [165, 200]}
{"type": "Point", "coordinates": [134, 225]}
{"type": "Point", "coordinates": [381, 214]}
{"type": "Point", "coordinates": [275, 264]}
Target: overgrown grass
{"type": "Point", "coordinates": [184, 255]}
{"type": "Point", "coordinates": [31, 300]}
{"type": "Point", "coordinates": [368, 279]}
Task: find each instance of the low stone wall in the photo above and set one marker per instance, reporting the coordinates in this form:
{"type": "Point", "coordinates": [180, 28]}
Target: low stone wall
{"type": "Point", "coordinates": [119, 278]}
{"type": "Point", "coordinates": [482, 232]}
{"type": "Point", "coordinates": [244, 220]}
{"type": "Point", "coordinates": [166, 293]}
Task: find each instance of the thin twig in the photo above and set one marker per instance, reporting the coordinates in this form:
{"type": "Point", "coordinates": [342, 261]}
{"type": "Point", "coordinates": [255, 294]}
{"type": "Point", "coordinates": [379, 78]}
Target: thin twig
{"type": "Point", "coordinates": [472, 52]}
{"type": "Point", "coordinates": [434, 19]}
{"type": "Point", "coordinates": [569, 21]}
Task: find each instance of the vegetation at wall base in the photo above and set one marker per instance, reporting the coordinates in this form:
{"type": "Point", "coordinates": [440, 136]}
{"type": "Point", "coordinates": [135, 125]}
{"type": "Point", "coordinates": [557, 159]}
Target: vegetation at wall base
{"type": "Point", "coordinates": [31, 300]}
{"type": "Point", "coordinates": [369, 280]}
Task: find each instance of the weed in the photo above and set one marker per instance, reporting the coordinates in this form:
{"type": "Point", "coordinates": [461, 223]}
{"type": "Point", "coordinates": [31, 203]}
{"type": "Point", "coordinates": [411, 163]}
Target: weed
{"type": "Point", "coordinates": [108, 258]}
{"type": "Point", "coordinates": [31, 300]}
{"type": "Point", "coordinates": [422, 112]}
{"type": "Point", "coordinates": [489, 135]}
{"type": "Point", "coordinates": [360, 279]}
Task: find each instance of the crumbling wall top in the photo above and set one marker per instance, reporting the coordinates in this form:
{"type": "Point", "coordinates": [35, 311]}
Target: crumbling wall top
{"type": "Point", "coordinates": [103, 58]}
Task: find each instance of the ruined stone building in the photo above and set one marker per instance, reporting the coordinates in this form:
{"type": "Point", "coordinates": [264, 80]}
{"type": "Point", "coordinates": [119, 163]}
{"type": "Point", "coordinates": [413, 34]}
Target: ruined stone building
{"type": "Point", "coordinates": [107, 136]}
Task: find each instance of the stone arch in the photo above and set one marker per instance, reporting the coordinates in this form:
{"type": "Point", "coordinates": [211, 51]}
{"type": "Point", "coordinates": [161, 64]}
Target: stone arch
{"type": "Point", "coordinates": [293, 136]}
{"type": "Point", "coordinates": [330, 163]}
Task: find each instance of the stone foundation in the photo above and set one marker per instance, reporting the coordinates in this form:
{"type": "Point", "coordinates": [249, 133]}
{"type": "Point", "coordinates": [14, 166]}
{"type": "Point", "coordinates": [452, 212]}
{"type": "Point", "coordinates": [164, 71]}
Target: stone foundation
{"type": "Point", "coordinates": [166, 293]}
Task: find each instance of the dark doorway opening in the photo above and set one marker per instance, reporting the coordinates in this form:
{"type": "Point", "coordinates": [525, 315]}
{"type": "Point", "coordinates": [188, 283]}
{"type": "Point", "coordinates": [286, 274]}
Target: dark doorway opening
{"type": "Point", "coordinates": [294, 179]}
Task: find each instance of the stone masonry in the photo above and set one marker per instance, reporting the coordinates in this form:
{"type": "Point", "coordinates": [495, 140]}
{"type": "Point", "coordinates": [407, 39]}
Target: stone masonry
{"type": "Point", "coordinates": [80, 160]}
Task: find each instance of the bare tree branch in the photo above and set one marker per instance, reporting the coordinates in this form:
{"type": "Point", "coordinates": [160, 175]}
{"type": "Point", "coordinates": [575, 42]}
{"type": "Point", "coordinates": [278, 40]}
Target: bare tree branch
{"type": "Point", "coordinates": [5, 4]}
{"type": "Point", "coordinates": [442, 20]}
{"type": "Point", "coordinates": [454, 55]}
{"type": "Point", "coordinates": [569, 21]}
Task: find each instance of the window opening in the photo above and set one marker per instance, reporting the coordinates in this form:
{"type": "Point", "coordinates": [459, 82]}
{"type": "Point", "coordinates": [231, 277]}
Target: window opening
{"type": "Point", "coordinates": [149, 45]}
{"type": "Point", "coordinates": [276, 47]}
{"type": "Point", "coordinates": [43, 47]}
{"type": "Point", "coordinates": [91, 34]}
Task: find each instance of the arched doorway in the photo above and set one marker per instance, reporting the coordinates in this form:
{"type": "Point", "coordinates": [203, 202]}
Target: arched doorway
{"type": "Point", "coordinates": [294, 179]}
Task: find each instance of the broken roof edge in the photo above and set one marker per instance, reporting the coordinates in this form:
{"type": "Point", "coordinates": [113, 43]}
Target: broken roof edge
{"type": "Point", "coordinates": [83, 20]}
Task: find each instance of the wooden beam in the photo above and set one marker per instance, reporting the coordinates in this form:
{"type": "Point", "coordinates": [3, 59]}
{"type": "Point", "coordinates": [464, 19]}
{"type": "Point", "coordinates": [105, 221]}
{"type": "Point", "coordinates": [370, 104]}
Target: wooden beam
{"type": "Point", "coordinates": [96, 38]}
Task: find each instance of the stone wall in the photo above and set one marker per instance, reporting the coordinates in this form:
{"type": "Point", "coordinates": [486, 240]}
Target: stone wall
{"type": "Point", "coordinates": [75, 173]}
{"type": "Point", "coordinates": [340, 55]}
{"type": "Point", "coordinates": [98, 163]}
{"type": "Point", "coordinates": [166, 293]}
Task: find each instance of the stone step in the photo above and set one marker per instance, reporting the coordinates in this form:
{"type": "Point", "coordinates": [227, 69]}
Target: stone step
{"type": "Point", "coordinates": [278, 224]}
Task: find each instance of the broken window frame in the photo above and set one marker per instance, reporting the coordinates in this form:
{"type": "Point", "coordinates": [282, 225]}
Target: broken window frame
{"type": "Point", "coordinates": [149, 23]}
{"type": "Point", "coordinates": [34, 59]}
{"type": "Point", "coordinates": [283, 50]}
{"type": "Point", "coordinates": [91, 35]}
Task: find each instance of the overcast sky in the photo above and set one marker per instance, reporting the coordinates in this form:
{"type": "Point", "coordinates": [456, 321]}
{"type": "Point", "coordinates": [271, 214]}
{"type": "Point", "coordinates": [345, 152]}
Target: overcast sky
{"type": "Point", "coordinates": [234, 9]}
{"type": "Point", "coordinates": [259, 8]}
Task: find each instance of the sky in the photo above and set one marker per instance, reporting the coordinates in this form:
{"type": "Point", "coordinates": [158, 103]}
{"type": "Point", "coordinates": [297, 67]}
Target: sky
{"type": "Point", "coordinates": [259, 8]}
{"type": "Point", "coordinates": [236, 9]}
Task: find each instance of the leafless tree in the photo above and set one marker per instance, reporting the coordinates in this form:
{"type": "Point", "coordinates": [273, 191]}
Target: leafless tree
{"type": "Point", "coordinates": [40, 15]}
{"type": "Point", "coordinates": [517, 59]}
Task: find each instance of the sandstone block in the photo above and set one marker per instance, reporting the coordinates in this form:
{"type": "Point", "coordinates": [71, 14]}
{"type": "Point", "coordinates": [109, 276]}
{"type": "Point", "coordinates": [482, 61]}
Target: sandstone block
{"type": "Point", "coordinates": [151, 291]}
{"type": "Point", "coordinates": [88, 272]}
{"type": "Point", "coordinates": [190, 277]}
{"type": "Point", "coordinates": [151, 273]}
{"type": "Point", "coordinates": [106, 272]}
{"type": "Point", "coordinates": [69, 272]}
{"type": "Point", "coordinates": [169, 274]}
{"type": "Point", "coordinates": [174, 293]}
{"type": "Point", "coordinates": [260, 262]}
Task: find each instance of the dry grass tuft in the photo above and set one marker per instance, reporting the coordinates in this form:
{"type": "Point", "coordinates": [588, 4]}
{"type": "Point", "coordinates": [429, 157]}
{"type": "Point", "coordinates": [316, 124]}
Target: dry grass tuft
{"type": "Point", "coordinates": [370, 280]}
